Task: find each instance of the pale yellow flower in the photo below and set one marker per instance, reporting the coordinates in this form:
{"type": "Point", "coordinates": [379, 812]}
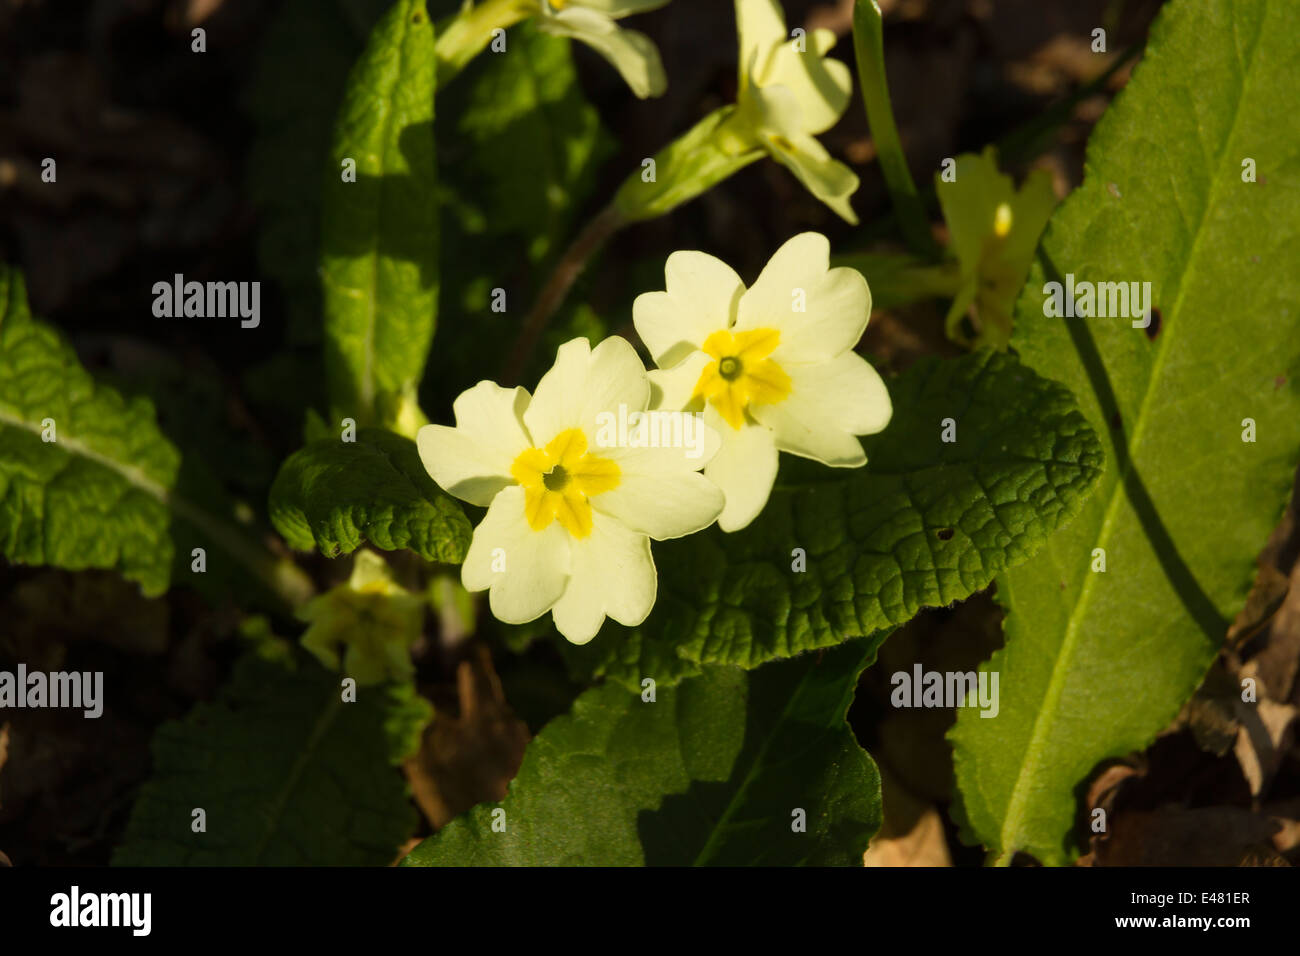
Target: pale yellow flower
{"type": "Point", "coordinates": [789, 92]}
{"type": "Point", "coordinates": [572, 503]}
{"type": "Point", "coordinates": [771, 367]}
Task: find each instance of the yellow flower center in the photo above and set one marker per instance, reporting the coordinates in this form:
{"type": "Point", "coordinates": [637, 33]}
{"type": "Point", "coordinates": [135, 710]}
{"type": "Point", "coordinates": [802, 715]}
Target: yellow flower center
{"type": "Point", "coordinates": [558, 479]}
{"type": "Point", "coordinates": [1002, 221]}
{"type": "Point", "coordinates": [741, 373]}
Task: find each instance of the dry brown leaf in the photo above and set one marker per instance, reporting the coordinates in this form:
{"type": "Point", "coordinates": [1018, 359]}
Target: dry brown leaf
{"type": "Point", "coordinates": [1263, 736]}
{"type": "Point", "coordinates": [471, 758]}
{"type": "Point", "coordinates": [912, 832]}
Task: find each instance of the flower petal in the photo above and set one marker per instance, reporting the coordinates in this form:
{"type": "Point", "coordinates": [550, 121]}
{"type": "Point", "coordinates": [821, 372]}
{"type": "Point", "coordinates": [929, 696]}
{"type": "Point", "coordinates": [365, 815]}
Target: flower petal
{"type": "Point", "coordinates": [472, 461]}
{"type": "Point", "coordinates": [584, 383]}
{"type": "Point", "coordinates": [524, 570]}
{"type": "Point", "coordinates": [828, 179]}
{"type": "Point", "coordinates": [660, 491]}
{"type": "Point", "coordinates": [836, 302]}
{"type": "Point", "coordinates": [822, 86]}
{"type": "Point", "coordinates": [744, 468]}
{"type": "Point", "coordinates": [701, 297]}
{"type": "Point", "coordinates": [673, 388]}
{"type": "Point", "coordinates": [829, 404]}
{"type": "Point", "coordinates": [633, 54]}
{"type": "Point", "coordinates": [612, 574]}
{"type": "Point", "coordinates": [761, 26]}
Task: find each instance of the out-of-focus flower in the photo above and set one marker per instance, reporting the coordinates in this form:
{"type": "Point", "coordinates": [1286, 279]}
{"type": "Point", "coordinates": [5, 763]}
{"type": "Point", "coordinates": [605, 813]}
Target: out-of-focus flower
{"type": "Point", "coordinates": [365, 628]}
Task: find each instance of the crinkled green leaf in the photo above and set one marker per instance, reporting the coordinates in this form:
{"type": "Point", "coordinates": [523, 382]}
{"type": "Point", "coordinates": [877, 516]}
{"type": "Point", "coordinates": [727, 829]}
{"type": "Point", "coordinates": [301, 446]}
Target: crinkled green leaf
{"type": "Point", "coordinates": [379, 234]}
{"type": "Point", "coordinates": [711, 772]}
{"type": "Point", "coordinates": [993, 266]}
{"type": "Point", "coordinates": [97, 496]}
{"type": "Point", "coordinates": [103, 493]}
{"type": "Point", "coordinates": [286, 772]}
{"type": "Point", "coordinates": [923, 524]}
{"type": "Point", "coordinates": [335, 494]}
{"type": "Point", "coordinates": [1096, 664]}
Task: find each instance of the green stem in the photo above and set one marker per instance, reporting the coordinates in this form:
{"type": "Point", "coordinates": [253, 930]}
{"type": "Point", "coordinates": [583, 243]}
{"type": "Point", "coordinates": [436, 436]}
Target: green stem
{"type": "Point", "coordinates": [869, 47]}
{"type": "Point", "coordinates": [903, 279]}
{"type": "Point", "coordinates": [464, 36]}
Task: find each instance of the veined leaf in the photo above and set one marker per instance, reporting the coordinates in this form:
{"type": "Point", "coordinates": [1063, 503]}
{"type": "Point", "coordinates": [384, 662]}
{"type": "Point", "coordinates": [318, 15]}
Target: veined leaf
{"type": "Point", "coordinates": [713, 771]}
{"type": "Point", "coordinates": [100, 494]}
{"type": "Point", "coordinates": [96, 496]}
{"type": "Point", "coordinates": [285, 772]}
{"type": "Point", "coordinates": [379, 234]}
{"type": "Point", "coordinates": [926, 522]}
{"type": "Point", "coordinates": [1097, 662]}
{"type": "Point", "coordinates": [333, 495]}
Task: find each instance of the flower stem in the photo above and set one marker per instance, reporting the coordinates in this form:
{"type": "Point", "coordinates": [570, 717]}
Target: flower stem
{"type": "Point", "coordinates": [869, 47]}
{"type": "Point", "coordinates": [570, 265]}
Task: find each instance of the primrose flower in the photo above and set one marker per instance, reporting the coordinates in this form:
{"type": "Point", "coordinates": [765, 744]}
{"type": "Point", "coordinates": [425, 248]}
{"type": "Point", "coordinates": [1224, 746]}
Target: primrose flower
{"type": "Point", "coordinates": [575, 485]}
{"type": "Point", "coordinates": [789, 92]}
{"type": "Point", "coordinates": [772, 367]}
{"type": "Point", "coordinates": [372, 618]}
{"type": "Point", "coordinates": [633, 54]}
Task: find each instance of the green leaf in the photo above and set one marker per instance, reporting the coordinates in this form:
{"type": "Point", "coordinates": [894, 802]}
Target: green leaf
{"type": "Point", "coordinates": [96, 497]}
{"type": "Point", "coordinates": [285, 771]}
{"type": "Point", "coordinates": [994, 253]}
{"type": "Point", "coordinates": [307, 50]}
{"type": "Point", "coordinates": [379, 234]}
{"type": "Point", "coordinates": [100, 494]}
{"type": "Point", "coordinates": [1096, 664]}
{"type": "Point", "coordinates": [333, 495]}
{"type": "Point", "coordinates": [518, 155]}
{"type": "Point", "coordinates": [924, 523]}
{"type": "Point", "coordinates": [710, 772]}
{"type": "Point", "coordinates": [522, 143]}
